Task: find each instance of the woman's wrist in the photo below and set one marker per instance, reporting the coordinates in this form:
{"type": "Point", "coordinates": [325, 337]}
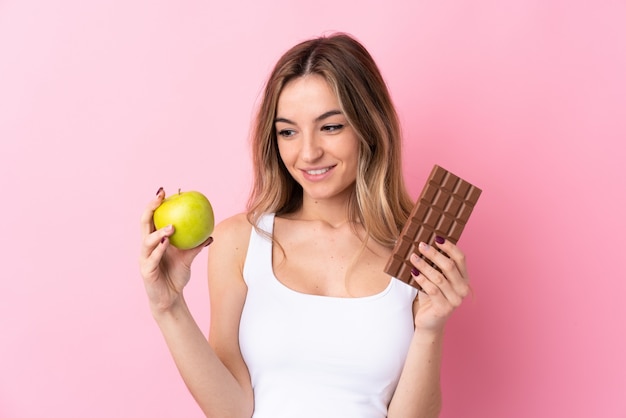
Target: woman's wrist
{"type": "Point", "coordinates": [171, 311]}
{"type": "Point", "coordinates": [429, 334]}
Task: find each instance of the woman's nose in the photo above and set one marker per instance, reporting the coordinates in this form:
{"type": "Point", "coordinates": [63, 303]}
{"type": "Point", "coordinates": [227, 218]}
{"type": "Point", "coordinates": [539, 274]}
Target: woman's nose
{"type": "Point", "coordinates": [311, 148]}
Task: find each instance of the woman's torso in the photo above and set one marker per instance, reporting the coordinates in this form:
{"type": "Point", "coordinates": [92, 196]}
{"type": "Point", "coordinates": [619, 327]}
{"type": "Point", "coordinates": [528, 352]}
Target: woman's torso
{"type": "Point", "coordinates": [312, 351]}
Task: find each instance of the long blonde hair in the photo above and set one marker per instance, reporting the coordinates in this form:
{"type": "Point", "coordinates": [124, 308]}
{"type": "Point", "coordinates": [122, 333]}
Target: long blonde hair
{"type": "Point", "coordinates": [380, 201]}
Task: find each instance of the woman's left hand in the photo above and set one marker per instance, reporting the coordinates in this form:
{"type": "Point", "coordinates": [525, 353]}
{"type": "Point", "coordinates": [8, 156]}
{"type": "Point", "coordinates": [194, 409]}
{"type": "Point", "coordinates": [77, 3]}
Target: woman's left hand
{"type": "Point", "coordinates": [442, 292]}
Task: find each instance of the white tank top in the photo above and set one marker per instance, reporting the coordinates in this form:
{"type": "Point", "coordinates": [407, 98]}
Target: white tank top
{"type": "Point", "coordinates": [319, 356]}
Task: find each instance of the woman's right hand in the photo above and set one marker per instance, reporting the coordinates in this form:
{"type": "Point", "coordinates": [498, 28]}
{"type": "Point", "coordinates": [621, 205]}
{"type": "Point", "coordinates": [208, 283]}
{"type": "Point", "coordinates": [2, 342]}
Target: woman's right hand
{"type": "Point", "coordinates": [165, 269]}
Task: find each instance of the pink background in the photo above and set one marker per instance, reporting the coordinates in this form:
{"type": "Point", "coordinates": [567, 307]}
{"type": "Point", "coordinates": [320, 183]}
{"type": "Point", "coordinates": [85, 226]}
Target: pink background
{"type": "Point", "coordinates": [102, 102]}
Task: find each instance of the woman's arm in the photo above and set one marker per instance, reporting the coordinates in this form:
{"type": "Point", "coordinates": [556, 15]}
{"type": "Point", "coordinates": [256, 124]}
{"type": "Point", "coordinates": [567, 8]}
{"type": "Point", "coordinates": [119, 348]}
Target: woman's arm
{"type": "Point", "coordinates": [213, 385]}
{"type": "Point", "coordinates": [219, 383]}
{"type": "Point", "coordinates": [419, 391]}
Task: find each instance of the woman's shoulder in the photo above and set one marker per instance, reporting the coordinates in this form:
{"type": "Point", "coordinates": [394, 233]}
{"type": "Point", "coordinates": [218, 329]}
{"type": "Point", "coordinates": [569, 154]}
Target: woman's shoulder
{"type": "Point", "coordinates": [236, 227]}
{"type": "Point", "coordinates": [230, 244]}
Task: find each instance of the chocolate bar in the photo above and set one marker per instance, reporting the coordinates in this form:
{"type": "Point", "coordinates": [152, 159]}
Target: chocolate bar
{"type": "Point", "coordinates": [443, 209]}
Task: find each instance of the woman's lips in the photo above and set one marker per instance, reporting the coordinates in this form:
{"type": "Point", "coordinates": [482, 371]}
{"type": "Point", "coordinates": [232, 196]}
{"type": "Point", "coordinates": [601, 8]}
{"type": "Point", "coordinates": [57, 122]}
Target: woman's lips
{"type": "Point", "coordinates": [317, 173]}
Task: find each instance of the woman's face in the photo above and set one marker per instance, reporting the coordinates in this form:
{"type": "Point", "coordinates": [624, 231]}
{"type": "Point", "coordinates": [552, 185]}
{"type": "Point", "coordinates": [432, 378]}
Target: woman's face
{"type": "Point", "coordinates": [316, 143]}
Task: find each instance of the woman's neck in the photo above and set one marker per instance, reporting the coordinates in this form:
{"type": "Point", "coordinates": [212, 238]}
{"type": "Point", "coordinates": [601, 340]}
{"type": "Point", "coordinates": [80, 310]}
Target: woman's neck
{"type": "Point", "coordinates": [333, 212]}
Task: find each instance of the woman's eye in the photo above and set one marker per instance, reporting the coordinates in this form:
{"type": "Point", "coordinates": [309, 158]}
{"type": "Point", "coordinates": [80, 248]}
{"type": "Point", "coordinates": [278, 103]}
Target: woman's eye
{"type": "Point", "coordinates": [332, 128]}
{"type": "Point", "coordinates": [286, 133]}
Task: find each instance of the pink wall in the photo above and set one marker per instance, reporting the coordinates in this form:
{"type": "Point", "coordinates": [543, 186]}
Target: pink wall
{"type": "Point", "coordinates": [102, 102]}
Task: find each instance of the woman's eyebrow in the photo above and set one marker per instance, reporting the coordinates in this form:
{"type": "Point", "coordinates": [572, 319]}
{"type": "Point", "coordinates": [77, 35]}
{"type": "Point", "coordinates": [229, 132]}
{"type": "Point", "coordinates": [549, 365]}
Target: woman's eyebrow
{"type": "Point", "coordinates": [317, 119]}
{"type": "Point", "coordinates": [328, 114]}
{"type": "Point", "coordinates": [284, 120]}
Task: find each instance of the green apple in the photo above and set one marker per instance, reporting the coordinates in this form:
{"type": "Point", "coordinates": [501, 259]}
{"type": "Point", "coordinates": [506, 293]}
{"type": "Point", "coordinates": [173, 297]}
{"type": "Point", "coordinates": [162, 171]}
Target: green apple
{"type": "Point", "coordinates": [192, 216]}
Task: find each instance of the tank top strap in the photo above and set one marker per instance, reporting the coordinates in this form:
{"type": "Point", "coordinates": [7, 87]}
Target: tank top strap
{"type": "Point", "coordinates": [258, 262]}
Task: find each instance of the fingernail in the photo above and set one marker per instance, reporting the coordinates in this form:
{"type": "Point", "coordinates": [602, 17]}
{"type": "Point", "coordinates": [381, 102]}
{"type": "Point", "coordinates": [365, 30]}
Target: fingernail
{"type": "Point", "coordinates": [159, 191]}
{"type": "Point", "coordinates": [163, 240]}
{"type": "Point", "coordinates": [439, 240]}
{"type": "Point", "coordinates": [209, 242]}
{"type": "Point", "coordinates": [415, 272]}
{"type": "Point", "coordinates": [423, 246]}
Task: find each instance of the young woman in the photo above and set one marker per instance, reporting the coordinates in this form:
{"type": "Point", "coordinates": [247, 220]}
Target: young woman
{"type": "Point", "coordinates": [304, 322]}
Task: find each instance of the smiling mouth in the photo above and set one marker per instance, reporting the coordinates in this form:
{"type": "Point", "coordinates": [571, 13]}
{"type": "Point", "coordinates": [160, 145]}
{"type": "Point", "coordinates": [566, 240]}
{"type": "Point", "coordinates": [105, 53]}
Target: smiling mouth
{"type": "Point", "coordinates": [318, 172]}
